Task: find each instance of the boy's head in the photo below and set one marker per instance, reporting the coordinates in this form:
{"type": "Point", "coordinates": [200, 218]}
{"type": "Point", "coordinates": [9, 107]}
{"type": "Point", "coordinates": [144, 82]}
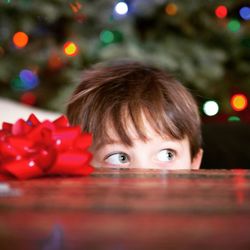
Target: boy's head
{"type": "Point", "coordinates": [132, 108]}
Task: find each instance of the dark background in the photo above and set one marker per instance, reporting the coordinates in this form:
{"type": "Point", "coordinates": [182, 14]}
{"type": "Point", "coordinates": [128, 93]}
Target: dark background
{"type": "Point", "coordinates": [206, 50]}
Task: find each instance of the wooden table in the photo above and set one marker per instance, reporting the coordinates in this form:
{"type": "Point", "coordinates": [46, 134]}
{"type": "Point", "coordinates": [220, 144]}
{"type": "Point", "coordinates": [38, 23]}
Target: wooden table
{"type": "Point", "coordinates": [128, 209]}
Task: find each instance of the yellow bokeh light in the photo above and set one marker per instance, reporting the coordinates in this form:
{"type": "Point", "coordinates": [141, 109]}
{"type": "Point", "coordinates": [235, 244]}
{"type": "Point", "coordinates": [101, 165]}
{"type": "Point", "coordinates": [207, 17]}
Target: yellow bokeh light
{"type": "Point", "coordinates": [70, 49]}
{"type": "Point", "coordinates": [171, 9]}
{"type": "Point", "coordinates": [239, 102]}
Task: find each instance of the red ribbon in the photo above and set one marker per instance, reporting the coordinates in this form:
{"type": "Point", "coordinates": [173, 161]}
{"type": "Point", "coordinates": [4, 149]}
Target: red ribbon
{"type": "Point", "coordinates": [33, 149]}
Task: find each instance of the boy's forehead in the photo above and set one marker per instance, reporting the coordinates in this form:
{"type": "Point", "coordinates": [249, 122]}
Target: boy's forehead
{"type": "Point", "coordinates": [113, 137]}
{"type": "Point", "coordinates": [146, 128]}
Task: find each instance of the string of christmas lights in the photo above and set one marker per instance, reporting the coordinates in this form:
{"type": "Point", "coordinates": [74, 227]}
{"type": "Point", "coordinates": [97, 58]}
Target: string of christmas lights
{"type": "Point", "coordinates": [28, 79]}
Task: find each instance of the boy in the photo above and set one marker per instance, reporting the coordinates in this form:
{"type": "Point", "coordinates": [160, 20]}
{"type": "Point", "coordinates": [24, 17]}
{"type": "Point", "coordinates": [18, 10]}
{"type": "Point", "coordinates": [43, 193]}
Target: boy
{"type": "Point", "coordinates": [140, 117]}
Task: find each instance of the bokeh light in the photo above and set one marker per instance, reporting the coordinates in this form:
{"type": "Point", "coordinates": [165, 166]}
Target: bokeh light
{"type": "Point", "coordinates": [17, 84]}
{"type": "Point", "coordinates": [107, 36]}
{"type": "Point", "coordinates": [26, 80]}
{"type": "Point", "coordinates": [234, 118]}
{"type": "Point", "coordinates": [221, 11]}
{"type": "Point", "coordinates": [29, 79]}
{"type": "Point", "coordinates": [75, 7]}
{"type": "Point", "coordinates": [211, 108]}
{"type": "Point", "coordinates": [171, 9]}
{"type": "Point", "coordinates": [20, 39]}
{"type": "Point", "coordinates": [245, 13]}
{"type": "Point", "coordinates": [239, 102]}
{"type": "Point", "coordinates": [28, 98]}
{"type": "Point", "coordinates": [70, 48]}
{"type": "Point", "coordinates": [233, 25]}
{"type": "Point", "coordinates": [121, 8]}
{"type": "Point", "coordinates": [55, 62]}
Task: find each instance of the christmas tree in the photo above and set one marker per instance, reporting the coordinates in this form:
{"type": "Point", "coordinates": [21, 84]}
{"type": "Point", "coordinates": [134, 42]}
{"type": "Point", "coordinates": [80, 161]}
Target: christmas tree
{"type": "Point", "coordinates": [44, 46]}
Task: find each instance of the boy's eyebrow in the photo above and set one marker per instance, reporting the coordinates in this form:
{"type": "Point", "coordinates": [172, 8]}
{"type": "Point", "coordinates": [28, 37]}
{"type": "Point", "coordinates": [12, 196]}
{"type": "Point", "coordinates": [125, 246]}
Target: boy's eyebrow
{"type": "Point", "coordinates": [113, 141]}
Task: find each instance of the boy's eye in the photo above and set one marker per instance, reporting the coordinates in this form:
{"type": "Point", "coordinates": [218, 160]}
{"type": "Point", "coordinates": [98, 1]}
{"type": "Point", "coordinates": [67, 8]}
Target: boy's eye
{"type": "Point", "coordinates": [117, 159]}
{"type": "Point", "coordinates": [166, 155]}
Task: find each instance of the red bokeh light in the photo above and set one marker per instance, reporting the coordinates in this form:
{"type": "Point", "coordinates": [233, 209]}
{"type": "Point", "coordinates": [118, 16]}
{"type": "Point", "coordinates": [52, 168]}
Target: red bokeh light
{"type": "Point", "coordinates": [221, 11]}
{"type": "Point", "coordinates": [28, 98]}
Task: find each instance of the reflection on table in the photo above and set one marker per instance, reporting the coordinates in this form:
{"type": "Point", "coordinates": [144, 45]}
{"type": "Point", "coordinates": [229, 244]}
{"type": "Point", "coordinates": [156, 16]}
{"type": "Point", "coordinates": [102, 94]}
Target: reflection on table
{"type": "Point", "coordinates": [128, 209]}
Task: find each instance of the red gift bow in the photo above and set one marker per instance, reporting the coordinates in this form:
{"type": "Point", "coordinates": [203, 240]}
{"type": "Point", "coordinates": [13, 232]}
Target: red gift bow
{"type": "Point", "coordinates": [32, 149]}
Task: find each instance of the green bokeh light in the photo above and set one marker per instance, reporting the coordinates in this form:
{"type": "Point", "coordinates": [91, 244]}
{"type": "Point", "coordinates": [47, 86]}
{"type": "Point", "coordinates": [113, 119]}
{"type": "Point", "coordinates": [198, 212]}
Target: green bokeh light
{"type": "Point", "coordinates": [107, 36]}
{"type": "Point", "coordinates": [234, 25]}
{"type": "Point", "coordinates": [234, 119]}
{"type": "Point", "coordinates": [111, 36]}
{"type": "Point", "coordinates": [17, 84]}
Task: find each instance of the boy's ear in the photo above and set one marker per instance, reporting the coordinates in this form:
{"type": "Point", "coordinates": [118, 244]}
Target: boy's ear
{"type": "Point", "coordinates": [196, 161]}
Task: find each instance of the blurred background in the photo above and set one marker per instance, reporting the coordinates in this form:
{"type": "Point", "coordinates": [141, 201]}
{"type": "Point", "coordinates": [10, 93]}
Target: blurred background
{"type": "Point", "coordinates": [44, 46]}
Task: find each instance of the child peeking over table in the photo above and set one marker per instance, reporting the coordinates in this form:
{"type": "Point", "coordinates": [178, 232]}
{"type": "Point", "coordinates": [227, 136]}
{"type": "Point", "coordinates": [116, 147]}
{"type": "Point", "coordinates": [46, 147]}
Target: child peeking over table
{"type": "Point", "coordinates": [140, 117]}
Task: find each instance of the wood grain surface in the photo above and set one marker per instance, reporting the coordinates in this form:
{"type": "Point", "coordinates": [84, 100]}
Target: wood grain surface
{"type": "Point", "coordinates": [128, 209]}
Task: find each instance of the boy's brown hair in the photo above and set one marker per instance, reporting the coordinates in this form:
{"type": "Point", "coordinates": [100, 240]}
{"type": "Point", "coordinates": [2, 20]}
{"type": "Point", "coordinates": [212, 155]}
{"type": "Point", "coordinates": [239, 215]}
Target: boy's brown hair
{"type": "Point", "coordinates": [113, 94]}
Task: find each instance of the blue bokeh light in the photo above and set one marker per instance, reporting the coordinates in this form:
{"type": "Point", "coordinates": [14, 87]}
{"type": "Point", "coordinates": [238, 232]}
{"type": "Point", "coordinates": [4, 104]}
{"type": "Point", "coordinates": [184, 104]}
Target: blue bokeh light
{"type": "Point", "coordinates": [245, 13]}
{"type": "Point", "coordinates": [29, 79]}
